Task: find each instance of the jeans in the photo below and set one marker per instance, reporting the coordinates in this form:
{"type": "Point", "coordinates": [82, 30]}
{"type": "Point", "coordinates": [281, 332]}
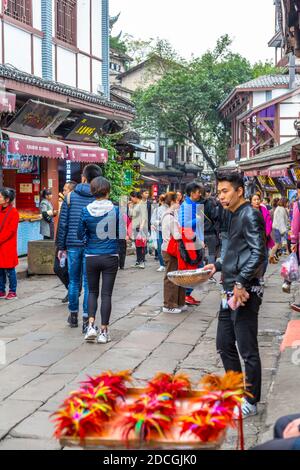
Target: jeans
{"type": "Point", "coordinates": [279, 443]}
{"type": "Point", "coordinates": [106, 265]}
{"type": "Point", "coordinates": [77, 270]}
{"type": "Point", "coordinates": [159, 245]}
{"type": "Point", "coordinates": [241, 326]}
{"type": "Point", "coordinates": [12, 279]}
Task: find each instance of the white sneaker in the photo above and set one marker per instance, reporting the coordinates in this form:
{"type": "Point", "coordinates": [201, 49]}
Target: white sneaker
{"type": "Point", "coordinates": [171, 310]}
{"type": "Point", "coordinates": [161, 269]}
{"type": "Point", "coordinates": [141, 266]}
{"type": "Point", "coordinates": [247, 410]}
{"type": "Point", "coordinates": [183, 308]}
{"type": "Point", "coordinates": [104, 337]}
{"type": "Point", "coordinates": [136, 265]}
{"type": "Point", "coordinates": [91, 333]}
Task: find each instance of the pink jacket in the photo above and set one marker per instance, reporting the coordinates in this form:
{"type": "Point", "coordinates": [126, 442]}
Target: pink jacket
{"type": "Point", "coordinates": [295, 237]}
{"type": "Point", "coordinates": [269, 225]}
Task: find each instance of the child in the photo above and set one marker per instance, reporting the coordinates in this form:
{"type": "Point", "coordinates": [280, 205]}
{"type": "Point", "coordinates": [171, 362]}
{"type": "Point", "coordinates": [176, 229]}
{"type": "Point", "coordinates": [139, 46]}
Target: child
{"type": "Point", "coordinates": [9, 219]}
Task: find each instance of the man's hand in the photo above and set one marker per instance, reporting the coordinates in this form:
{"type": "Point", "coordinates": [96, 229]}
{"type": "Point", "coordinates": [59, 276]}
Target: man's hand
{"type": "Point", "coordinates": [61, 254]}
{"type": "Point", "coordinates": [211, 267]}
{"type": "Point", "coordinates": [292, 429]}
{"type": "Point", "coordinates": [240, 296]}
{"type": "Point", "coordinates": [294, 248]}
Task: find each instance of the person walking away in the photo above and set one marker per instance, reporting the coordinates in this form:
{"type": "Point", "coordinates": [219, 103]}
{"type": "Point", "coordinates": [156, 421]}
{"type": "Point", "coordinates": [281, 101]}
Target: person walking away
{"type": "Point", "coordinates": [156, 229]}
{"type": "Point", "coordinates": [138, 214]}
{"type": "Point", "coordinates": [267, 203]}
{"type": "Point", "coordinates": [48, 214]}
{"type": "Point", "coordinates": [147, 209]}
{"type": "Point", "coordinates": [280, 226]}
{"type": "Point", "coordinates": [241, 269]}
{"type": "Point", "coordinates": [174, 296]}
{"type": "Point", "coordinates": [61, 266]}
{"type": "Point", "coordinates": [211, 227]}
{"type": "Point", "coordinates": [69, 245]}
{"type": "Point", "coordinates": [257, 204]}
{"type": "Point", "coordinates": [9, 220]}
{"type": "Point", "coordinates": [191, 217]}
{"type": "Point", "coordinates": [98, 227]}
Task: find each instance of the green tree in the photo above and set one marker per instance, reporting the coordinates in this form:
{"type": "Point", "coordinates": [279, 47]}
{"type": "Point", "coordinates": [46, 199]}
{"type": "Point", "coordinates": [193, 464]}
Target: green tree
{"type": "Point", "coordinates": [115, 172]}
{"type": "Point", "coordinates": [184, 102]}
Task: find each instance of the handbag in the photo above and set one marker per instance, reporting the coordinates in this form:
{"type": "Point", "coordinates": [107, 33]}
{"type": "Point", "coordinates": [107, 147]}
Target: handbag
{"type": "Point", "coordinates": [172, 248]}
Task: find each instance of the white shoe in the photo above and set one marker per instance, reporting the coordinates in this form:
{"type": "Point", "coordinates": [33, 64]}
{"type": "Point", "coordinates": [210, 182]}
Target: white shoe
{"type": "Point", "coordinates": [103, 337]}
{"type": "Point", "coordinates": [136, 265]}
{"type": "Point", "coordinates": [141, 266]}
{"type": "Point", "coordinates": [161, 269]}
{"type": "Point", "coordinates": [247, 410]}
{"type": "Point", "coordinates": [91, 333]}
{"type": "Point", "coordinates": [183, 308]}
{"type": "Point", "coordinates": [171, 310]}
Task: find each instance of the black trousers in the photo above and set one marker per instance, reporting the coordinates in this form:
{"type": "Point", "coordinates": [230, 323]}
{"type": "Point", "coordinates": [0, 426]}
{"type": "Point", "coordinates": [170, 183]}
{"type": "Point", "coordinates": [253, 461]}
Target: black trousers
{"type": "Point", "coordinates": [122, 252]}
{"type": "Point", "coordinates": [61, 273]}
{"type": "Point", "coordinates": [241, 327]}
{"type": "Point", "coordinates": [95, 266]}
{"type": "Point", "coordinates": [140, 254]}
{"type": "Point", "coordinates": [278, 443]}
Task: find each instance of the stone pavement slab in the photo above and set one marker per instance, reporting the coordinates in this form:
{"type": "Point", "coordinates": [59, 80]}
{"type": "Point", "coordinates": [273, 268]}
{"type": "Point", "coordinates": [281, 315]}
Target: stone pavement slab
{"type": "Point", "coordinates": [43, 387]}
{"type": "Point", "coordinates": [36, 426]}
{"type": "Point", "coordinates": [29, 444]}
{"type": "Point", "coordinates": [12, 412]}
{"type": "Point", "coordinates": [16, 376]}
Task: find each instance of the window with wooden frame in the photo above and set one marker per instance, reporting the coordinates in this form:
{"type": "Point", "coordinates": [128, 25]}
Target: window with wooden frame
{"type": "Point", "coordinates": [20, 10]}
{"type": "Point", "coordinates": [66, 21]}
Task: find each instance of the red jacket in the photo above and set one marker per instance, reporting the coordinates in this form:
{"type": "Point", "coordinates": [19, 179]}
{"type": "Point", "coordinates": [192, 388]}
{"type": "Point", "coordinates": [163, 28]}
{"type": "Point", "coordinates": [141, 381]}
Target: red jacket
{"type": "Point", "coordinates": [8, 237]}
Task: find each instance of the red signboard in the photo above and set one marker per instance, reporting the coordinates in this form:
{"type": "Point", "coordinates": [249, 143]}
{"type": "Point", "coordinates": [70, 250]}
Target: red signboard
{"type": "Point", "coordinates": [95, 154]}
{"type": "Point", "coordinates": [37, 147]}
{"type": "Point", "coordinates": [155, 190]}
{"type": "Point", "coordinates": [251, 173]}
{"type": "Point", "coordinates": [278, 172]}
{"type": "Point", "coordinates": [7, 102]}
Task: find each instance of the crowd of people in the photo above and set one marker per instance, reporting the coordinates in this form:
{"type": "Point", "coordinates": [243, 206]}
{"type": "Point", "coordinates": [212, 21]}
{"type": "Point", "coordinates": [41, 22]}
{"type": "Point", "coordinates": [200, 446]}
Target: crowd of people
{"type": "Point", "coordinates": [220, 233]}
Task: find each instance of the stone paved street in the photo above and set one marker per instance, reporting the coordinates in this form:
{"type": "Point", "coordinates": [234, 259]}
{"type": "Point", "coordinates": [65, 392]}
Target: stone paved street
{"type": "Point", "coordinates": [46, 359]}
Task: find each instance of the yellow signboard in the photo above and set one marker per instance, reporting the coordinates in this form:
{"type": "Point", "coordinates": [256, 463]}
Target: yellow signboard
{"type": "Point", "coordinates": [26, 188]}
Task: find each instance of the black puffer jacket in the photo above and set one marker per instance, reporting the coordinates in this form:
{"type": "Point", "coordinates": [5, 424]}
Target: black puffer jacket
{"type": "Point", "coordinates": [246, 252]}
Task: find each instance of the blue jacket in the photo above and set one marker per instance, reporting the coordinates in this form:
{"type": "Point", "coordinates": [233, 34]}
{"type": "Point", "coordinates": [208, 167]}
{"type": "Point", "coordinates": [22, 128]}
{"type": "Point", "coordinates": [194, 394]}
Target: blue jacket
{"type": "Point", "coordinates": [99, 228]}
{"type": "Point", "coordinates": [70, 216]}
{"type": "Point", "coordinates": [191, 216]}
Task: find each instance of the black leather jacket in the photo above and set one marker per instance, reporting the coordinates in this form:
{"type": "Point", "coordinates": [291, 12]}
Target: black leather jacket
{"type": "Point", "coordinates": [246, 252]}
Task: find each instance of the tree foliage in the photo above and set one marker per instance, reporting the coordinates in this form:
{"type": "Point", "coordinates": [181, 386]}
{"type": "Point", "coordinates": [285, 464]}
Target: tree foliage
{"type": "Point", "coordinates": [184, 102]}
{"type": "Point", "coordinates": [115, 171]}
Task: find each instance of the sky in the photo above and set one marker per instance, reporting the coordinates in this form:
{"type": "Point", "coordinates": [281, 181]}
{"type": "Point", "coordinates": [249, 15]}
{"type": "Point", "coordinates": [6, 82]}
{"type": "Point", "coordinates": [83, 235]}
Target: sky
{"type": "Point", "coordinates": [193, 26]}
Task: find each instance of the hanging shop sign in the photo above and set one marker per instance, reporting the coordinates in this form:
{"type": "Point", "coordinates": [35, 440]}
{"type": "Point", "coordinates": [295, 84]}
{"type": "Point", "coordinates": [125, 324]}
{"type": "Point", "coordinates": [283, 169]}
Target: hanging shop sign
{"type": "Point", "coordinates": [296, 174]}
{"type": "Point", "coordinates": [86, 128]}
{"type": "Point", "coordinates": [267, 183]}
{"type": "Point", "coordinates": [38, 119]}
{"type": "Point", "coordinates": [127, 178]}
{"type": "Point", "coordinates": [7, 102]}
{"type": "Point", "coordinates": [21, 163]}
{"type": "Point", "coordinates": [155, 190]}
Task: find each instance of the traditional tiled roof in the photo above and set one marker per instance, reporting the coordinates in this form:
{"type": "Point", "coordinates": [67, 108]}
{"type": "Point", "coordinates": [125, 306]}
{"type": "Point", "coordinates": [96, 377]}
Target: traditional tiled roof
{"type": "Point", "coordinates": [12, 73]}
{"type": "Point", "coordinates": [268, 81]}
{"type": "Point", "coordinates": [264, 82]}
{"type": "Point", "coordinates": [270, 154]}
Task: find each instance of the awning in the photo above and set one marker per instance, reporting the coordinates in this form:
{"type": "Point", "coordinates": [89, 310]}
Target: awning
{"type": "Point", "coordinates": [88, 154]}
{"type": "Point", "coordinates": [274, 171]}
{"type": "Point", "coordinates": [251, 173]}
{"type": "Point", "coordinates": [147, 178]}
{"type": "Point", "coordinates": [36, 146]}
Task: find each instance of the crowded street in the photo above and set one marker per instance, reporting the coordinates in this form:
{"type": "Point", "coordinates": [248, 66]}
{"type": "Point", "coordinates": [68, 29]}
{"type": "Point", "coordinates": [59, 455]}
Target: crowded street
{"type": "Point", "coordinates": [46, 359]}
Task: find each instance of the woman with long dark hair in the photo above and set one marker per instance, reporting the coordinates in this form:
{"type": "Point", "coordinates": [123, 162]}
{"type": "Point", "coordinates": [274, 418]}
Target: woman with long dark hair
{"type": "Point", "coordinates": [98, 227]}
{"type": "Point", "coordinates": [48, 214]}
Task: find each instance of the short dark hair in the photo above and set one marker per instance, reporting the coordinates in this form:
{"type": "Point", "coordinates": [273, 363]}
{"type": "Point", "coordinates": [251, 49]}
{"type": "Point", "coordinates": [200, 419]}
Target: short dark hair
{"type": "Point", "coordinates": [235, 179]}
{"type": "Point", "coordinates": [267, 199]}
{"type": "Point", "coordinates": [298, 184]}
{"type": "Point", "coordinates": [91, 171]}
{"type": "Point", "coordinates": [136, 194]}
{"type": "Point", "coordinates": [45, 193]}
{"type": "Point", "coordinates": [100, 187]}
{"type": "Point", "coordinates": [193, 187]}
{"type": "Point", "coordinates": [8, 193]}
{"type": "Point", "coordinates": [72, 184]}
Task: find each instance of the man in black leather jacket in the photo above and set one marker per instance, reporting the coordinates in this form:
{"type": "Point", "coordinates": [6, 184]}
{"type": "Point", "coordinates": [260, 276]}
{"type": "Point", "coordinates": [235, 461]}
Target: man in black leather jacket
{"type": "Point", "coordinates": [241, 268]}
